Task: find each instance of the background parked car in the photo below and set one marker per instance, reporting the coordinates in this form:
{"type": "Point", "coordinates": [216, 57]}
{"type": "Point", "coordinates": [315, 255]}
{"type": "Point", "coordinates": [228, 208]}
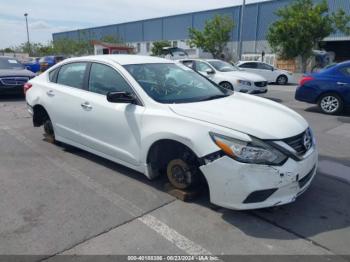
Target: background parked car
{"type": "Point", "coordinates": [174, 53]}
{"type": "Point", "coordinates": [329, 88]}
{"type": "Point", "coordinates": [272, 74]}
{"type": "Point", "coordinates": [13, 75]}
{"type": "Point", "coordinates": [48, 61]}
{"type": "Point", "coordinates": [32, 64]}
{"type": "Point", "coordinates": [227, 75]}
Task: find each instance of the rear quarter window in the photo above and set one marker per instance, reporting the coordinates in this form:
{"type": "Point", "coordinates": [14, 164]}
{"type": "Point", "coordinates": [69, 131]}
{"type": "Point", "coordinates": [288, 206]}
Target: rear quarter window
{"type": "Point", "coordinates": [53, 75]}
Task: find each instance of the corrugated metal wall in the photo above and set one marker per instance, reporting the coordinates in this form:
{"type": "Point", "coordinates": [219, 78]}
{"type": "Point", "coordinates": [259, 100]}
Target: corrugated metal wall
{"type": "Point", "coordinates": [258, 18]}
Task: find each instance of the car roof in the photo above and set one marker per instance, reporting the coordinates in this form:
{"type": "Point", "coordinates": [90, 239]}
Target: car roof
{"type": "Point", "coordinates": [123, 59]}
{"type": "Point", "coordinates": [345, 63]}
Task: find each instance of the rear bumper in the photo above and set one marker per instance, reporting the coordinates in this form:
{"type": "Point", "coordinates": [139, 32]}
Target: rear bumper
{"type": "Point", "coordinates": [243, 186]}
{"type": "Point", "coordinates": [307, 94]}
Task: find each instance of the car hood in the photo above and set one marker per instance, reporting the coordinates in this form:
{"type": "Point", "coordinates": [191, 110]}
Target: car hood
{"type": "Point", "coordinates": [255, 116]}
{"type": "Point", "coordinates": [245, 76]}
{"type": "Point", "coordinates": [16, 72]}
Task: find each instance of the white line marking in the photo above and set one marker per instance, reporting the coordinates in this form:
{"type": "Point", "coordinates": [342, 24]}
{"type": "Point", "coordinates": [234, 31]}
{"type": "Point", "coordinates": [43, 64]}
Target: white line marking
{"type": "Point", "coordinates": [173, 236]}
{"type": "Point", "coordinates": [150, 221]}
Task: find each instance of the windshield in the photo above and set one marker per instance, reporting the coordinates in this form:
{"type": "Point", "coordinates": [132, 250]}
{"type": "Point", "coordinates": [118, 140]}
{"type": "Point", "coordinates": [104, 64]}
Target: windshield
{"type": "Point", "coordinates": [10, 63]}
{"type": "Point", "coordinates": [223, 66]}
{"type": "Point", "coordinates": [172, 83]}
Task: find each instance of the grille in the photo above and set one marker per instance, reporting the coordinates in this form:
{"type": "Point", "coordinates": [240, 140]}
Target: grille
{"type": "Point", "coordinates": [296, 142]}
{"type": "Point", "coordinates": [14, 81]}
{"type": "Point", "coordinates": [261, 84]}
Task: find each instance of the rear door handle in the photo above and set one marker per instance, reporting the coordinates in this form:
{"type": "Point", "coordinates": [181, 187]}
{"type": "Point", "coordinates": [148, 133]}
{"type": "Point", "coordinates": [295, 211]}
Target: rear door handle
{"type": "Point", "coordinates": [342, 83]}
{"type": "Point", "coordinates": [50, 93]}
{"type": "Point", "coordinates": [86, 106]}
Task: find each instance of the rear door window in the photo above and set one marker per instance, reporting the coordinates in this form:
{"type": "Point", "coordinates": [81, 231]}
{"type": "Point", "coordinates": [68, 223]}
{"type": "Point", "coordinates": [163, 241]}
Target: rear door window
{"type": "Point", "coordinates": [264, 66]}
{"type": "Point", "coordinates": [53, 75]}
{"type": "Point", "coordinates": [72, 75]}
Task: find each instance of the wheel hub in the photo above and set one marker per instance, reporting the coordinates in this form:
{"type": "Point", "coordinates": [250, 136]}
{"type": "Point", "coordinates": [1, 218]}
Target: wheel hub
{"type": "Point", "coordinates": [179, 174]}
{"type": "Point", "coordinates": [330, 104]}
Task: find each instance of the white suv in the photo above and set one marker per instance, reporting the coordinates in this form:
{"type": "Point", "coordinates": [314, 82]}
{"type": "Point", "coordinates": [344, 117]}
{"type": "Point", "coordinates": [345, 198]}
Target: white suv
{"type": "Point", "coordinates": [160, 117]}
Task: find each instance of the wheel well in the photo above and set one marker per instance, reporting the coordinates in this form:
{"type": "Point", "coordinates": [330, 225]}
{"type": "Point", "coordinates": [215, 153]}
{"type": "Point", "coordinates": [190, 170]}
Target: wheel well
{"type": "Point", "coordinates": [162, 151]}
{"type": "Point", "coordinates": [225, 82]}
{"type": "Point", "coordinates": [228, 83]}
{"type": "Point", "coordinates": [328, 93]}
{"type": "Point", "coordinates": [40, 115]}
{"type": "Point", "coordinates": [283, 76]}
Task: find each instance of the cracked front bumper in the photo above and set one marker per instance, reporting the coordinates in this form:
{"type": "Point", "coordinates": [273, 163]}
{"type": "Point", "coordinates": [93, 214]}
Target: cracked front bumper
{"type": "Point", "coordinates": [231, 183]}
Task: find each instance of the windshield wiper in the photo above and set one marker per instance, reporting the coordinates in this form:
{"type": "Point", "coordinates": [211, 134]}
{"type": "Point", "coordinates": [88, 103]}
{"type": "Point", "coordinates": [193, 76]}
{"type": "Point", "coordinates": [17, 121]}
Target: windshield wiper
{"type": "Point", "coordinates": [214, 97]}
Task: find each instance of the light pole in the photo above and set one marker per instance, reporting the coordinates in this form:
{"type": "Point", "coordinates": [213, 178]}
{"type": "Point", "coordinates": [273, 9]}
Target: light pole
{"type": "Point", "coordinates": [29, 49]}
{"type": "Point", "coordinates": [240, 44]}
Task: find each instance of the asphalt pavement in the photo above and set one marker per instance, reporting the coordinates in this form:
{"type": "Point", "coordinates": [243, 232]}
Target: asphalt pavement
{"type": "Point", "coordinates": [57, 200]}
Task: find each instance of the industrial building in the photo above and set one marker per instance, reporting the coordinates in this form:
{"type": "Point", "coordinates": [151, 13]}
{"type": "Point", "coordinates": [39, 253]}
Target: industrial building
{"type": "Point", "coordinates": [257, 19]}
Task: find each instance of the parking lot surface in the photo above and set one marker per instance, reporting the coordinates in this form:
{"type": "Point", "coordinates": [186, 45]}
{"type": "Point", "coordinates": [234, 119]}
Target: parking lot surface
{"type": "Point", "coordinates": [57, 200]}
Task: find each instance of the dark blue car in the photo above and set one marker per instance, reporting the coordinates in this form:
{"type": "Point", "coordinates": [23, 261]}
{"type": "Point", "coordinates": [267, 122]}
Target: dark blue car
{"type": "Point", "coordinates": [32, 64]}
{"type": "Point", "coordinates": [329, 88]}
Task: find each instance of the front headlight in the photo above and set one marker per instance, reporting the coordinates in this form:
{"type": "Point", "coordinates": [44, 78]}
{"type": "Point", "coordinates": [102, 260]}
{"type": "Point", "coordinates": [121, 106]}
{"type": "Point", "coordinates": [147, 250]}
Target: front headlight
{"type": "Point", "coordinates": [244, 83]}
{"type": "Point", "coordinates": [254, 152]}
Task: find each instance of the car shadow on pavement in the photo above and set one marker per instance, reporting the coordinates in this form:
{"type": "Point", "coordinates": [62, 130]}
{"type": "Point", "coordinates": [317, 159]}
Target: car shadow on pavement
{"type": "Point", "coordinates": [315, 109]}
{"type": "Point", "coordinates": [273, 99]}
{"type": "Point", "coordinates": [323, 207]}
{"type": "Point", "coordinates": [157, 183]}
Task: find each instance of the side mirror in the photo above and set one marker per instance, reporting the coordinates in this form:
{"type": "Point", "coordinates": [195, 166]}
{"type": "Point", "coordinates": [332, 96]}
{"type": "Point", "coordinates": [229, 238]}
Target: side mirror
{"type": "Point", "coordinates": [272, 69]}
{"type": "Point", "coordinates": [121, 97]}
{"type": "Point", "coordinates": [28, 68]}
{"type": "Point", "coordinates": [210, 71]}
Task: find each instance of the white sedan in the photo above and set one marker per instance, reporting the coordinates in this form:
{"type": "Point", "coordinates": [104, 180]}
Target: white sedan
{"type": "Point", "coordinates": [227, 75]}
{"type": "Point", "coordinates": [160, 117]}
{"type": "Point", "coordinates": [271, 73]}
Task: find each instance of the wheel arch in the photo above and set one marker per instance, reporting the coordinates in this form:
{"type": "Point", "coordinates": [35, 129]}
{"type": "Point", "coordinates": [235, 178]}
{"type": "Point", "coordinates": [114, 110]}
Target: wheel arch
{"type": "Point", "coordinates": [284, 75]}
{"type": "Point", "coordinates": [40, 114]}
{"type": "Point", "coordinates": [161, 150]}
{"type": "Point", "coordinates": [229, 82]}
{"type": "Point", "coordinates": [332, 92]}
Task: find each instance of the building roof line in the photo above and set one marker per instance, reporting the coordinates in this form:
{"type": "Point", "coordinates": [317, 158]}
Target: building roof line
{"type": "Point", "coordinates": [169, 16]}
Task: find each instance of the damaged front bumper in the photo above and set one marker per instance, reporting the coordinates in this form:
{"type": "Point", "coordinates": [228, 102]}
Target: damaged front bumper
{"type": "Point", "coordinates": [242, 186]}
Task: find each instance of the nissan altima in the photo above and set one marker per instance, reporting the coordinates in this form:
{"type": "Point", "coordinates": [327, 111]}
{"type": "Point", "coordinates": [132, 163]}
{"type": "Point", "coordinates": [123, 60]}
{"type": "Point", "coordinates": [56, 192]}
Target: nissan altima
{"type": "Point", "coordinates": [161, 118]}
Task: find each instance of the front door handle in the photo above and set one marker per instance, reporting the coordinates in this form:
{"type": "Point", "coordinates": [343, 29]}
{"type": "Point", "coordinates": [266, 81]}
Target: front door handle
{"type": "Point", "coordinates": [86, 106]}
{"type": "Point", "coordinates": [50, 93]}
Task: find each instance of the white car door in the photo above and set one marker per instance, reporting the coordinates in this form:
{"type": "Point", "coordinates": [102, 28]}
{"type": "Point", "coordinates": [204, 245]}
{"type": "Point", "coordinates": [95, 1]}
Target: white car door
{"type": "Point", "coordinates": [267, 71]}
{"type": "Point", "coordinates": [63, 99]}
{"type": "Point", "coordinates": [252, 67]}
{"type": "Point", "coordinates": [112, 129]}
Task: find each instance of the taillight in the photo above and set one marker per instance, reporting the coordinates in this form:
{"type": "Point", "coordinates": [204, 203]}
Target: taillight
{"type": "Point", "coordinates": [26, 87]}
{"type": "Point", "coordinates": [306, 79]}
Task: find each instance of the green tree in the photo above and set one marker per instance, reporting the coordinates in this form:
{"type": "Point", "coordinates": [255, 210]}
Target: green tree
{"type": "Point", "coordinates": [214, 37]}
{"type": "Point", "coordinates": [301, 26]}
{"type": "Point", "coordinates": [112, 39]}
{"type": "Point", "coordinates": [8, 50]}
{"type": "Point", "coordinates": [158, 46]}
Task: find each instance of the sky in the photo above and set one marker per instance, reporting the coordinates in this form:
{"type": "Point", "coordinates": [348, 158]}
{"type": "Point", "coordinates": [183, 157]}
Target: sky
{"type": "Point", "coordinates": [47, 16]}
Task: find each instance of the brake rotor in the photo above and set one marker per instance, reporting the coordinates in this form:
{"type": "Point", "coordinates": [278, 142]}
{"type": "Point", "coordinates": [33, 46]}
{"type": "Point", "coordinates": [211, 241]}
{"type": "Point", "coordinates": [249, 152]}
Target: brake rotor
{"type": "Point", "coordinates": [179, 174]}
